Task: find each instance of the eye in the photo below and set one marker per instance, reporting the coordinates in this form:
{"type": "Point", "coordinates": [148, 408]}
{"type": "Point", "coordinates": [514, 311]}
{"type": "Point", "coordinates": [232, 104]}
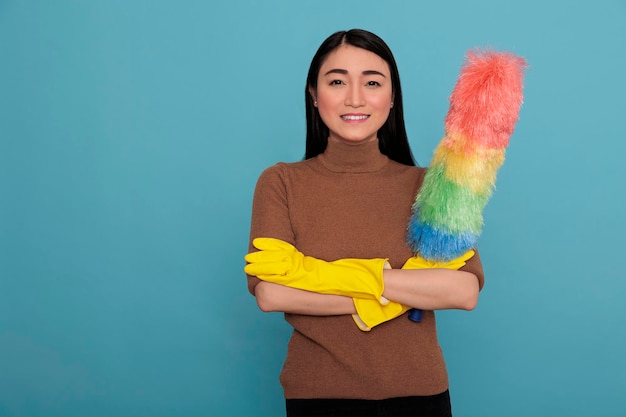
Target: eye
{"type": "Point", "coordinates": [335, 82]}
{"type": "Point", "coordinates": [373, 84]}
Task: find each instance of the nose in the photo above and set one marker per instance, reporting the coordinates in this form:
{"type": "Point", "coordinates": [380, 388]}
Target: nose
{"type": "Point", "coordinates": [355, 96]}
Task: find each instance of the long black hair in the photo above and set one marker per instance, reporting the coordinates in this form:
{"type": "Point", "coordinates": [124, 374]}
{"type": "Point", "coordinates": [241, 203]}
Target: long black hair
{"type": "Point", "coordinates": [392, 138]}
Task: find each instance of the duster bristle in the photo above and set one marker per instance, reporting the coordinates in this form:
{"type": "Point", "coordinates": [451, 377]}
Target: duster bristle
{"type": "Point", "coordinates": [486, 100]}
{"type": "Point", "coordinates": [484, 108]}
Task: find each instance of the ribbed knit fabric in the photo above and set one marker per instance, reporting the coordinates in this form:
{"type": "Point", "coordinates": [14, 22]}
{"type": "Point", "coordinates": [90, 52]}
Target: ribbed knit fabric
{"type": "Point", "coordinates": [350, 202]}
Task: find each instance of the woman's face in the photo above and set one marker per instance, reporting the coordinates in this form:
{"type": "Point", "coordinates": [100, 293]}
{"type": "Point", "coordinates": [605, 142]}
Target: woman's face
{"type": "Point", "coordinates": [354, 94]}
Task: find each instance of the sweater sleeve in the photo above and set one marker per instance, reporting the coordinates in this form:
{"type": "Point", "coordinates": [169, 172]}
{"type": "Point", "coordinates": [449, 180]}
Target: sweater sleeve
{"type": "Point", "coordinates": [475, 266]}
{"type": "Point", "coordinates": [270, 211]}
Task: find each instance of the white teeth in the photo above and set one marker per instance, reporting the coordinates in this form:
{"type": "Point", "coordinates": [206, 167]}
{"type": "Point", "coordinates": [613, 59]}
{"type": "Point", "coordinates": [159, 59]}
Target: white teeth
{"type": "Point", "coordinates": [351, 117]}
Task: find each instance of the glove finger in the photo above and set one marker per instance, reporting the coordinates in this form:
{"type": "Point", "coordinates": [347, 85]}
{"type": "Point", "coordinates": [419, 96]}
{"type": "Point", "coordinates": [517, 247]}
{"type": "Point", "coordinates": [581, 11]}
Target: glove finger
{"type": "Point", "coordinates": [266, 256]}
{"type": "Point", "coordinates": [459, 262]}
{"type": "Point", "coordinates": [263, 268]}
{"type": "Point", "coordinates": [417, 262]}
{"type": "Point", "coordinates": [268, 243]}
{"type": "Point", "coordinates": [467, 256]}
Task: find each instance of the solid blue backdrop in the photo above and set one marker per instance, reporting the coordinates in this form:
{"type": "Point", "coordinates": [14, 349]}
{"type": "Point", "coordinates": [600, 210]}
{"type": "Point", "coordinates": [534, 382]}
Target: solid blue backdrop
{"type": "Point", "coordinates": [132, 134]}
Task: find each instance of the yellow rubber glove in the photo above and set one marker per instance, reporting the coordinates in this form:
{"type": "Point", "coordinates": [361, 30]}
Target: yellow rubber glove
{"type": "Point", "coordinates": [279, 262]}
{"type": "Point", "coordinates": [417, 262]}
{"type": "Point", "coordinates": [371, 314]}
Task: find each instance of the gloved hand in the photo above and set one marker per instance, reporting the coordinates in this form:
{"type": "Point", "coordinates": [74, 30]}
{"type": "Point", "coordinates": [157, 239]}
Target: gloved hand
{"type": "Point", "coordinates": [417, 262]}
{"type": "Point", "coordinates": [371, 314]}
{"type": "Point", "coordinates": [279, 262]}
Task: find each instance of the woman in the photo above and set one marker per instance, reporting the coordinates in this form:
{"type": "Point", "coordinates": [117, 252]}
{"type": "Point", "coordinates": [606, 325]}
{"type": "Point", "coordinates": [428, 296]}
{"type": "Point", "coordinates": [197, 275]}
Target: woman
{"type": "Point", "coordinates": [351, 198]}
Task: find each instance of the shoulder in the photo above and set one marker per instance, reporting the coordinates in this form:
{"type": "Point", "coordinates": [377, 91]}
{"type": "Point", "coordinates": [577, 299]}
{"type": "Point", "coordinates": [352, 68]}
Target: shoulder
{"type": "Point", "coordinates": [282, 170]}
{"type": "Point", "coordinates": [403, 180]}
{"type": "Point", "coordinates": [287, 166]}
{"type": "Point", "coordinates": [277, 177]}
{"type": "Point", "coordinates": [406, 170]}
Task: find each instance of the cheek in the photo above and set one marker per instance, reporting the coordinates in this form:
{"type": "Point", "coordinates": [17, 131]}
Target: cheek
{"type": "Point", "coordinates": [326, 100]}
{"type": "Point", "coordinates": [323, 110]}
{"type": "Point", "coordinates": [383, 107]}
{"type": "Point", "coordinates": [327, 105]}
{"type": "Point", "coordinates": [382, 102]}
{"type": "Point", "coordinates": [326, 116]}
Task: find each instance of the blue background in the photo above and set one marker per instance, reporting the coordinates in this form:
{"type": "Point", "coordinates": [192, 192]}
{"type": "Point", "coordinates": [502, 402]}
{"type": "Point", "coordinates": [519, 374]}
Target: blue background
{"type": "Point", "coordinates": [132, 134]}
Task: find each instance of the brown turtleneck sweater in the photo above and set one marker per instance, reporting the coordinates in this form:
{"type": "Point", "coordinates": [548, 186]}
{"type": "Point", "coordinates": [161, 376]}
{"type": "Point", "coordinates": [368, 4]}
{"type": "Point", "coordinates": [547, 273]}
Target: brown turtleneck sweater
{"type": "Point", "coordinates": [350, 202]}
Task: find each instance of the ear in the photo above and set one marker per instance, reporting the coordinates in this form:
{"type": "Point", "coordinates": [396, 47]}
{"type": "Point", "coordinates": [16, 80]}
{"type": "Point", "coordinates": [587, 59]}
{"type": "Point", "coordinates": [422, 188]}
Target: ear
{"type": "Point", "coordinates": [313, 94]}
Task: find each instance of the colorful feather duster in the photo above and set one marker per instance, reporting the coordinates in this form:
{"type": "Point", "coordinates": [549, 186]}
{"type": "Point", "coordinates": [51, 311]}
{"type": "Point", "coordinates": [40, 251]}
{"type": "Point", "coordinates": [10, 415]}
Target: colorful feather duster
{"type": "Point", "coordinates": [447, 214]}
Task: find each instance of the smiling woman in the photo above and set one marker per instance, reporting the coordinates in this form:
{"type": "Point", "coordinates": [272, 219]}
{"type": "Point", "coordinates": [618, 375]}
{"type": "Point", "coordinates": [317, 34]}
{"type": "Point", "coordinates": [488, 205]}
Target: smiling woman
{"type": "Point", "coordinates": [353, 351]}
{"type": "Point", "coordinates": [353, 94]}
{"type": "Point", "coordinates": [392, 138]}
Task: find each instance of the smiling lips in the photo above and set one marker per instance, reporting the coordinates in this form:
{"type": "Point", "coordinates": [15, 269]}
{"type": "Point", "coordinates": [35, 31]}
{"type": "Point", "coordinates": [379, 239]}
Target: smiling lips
{"type": "Point", "coordinates": [354, 117]}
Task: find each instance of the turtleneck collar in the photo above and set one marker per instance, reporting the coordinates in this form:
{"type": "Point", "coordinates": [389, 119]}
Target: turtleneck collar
{"type": "Point", "coordinates": [357, 158]}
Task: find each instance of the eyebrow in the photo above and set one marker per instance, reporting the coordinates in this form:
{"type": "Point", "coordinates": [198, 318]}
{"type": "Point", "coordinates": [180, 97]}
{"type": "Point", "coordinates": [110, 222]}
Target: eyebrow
{"type": "Point", "coordinates": [344, 72]}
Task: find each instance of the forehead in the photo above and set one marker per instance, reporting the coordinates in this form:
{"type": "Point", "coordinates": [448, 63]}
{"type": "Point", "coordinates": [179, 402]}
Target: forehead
{"type": "Point", "coordinates": [353, 59]}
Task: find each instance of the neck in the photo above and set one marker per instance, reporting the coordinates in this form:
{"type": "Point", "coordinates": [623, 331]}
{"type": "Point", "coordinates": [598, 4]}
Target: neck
{"type": "Point", "coordinates": [353, 158]}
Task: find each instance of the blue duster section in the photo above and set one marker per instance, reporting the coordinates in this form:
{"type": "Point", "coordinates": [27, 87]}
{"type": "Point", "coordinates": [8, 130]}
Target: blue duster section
{"type": "Point", "coordinates": [438, 244]}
